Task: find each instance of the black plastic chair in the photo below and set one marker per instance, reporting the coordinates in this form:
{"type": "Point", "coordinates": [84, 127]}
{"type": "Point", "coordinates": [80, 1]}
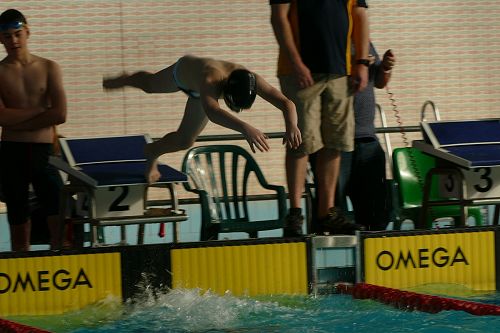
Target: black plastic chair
{"type": "Point", "coordinates": [221, 175]}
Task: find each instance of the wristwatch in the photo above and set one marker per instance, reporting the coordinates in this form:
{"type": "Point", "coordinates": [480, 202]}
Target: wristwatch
{"type": "Point", "coordinates": [365, 62]}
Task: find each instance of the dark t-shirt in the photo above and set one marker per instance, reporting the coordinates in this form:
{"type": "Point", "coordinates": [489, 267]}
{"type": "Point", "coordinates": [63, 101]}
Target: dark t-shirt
{"type": "Point", "coordinates": [321, 31]}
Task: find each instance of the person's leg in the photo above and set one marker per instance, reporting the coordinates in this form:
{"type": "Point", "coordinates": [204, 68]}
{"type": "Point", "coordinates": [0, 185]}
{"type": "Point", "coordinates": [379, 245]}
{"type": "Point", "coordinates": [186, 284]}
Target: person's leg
{"type": "Point", "coordinates": [313, 193]}
{"type": "Point", "coordinates": [343, 182]}
{"type": "Point", "coordinates": [327, 171]}
{"type": "Point", "coordinates": [337, 128]}
{"type": "Point", "coordinates": [296, 167]}
{"type": "Point", "coordinates": [159, 82]}
{"type": "Point", "coordinates": [381, 204]}
{"type": "Point", "coordinates": [14, 171]}
{"type": "Point", "coordinates": [308, 105]}
{"type": "Point", "coordinates": [20, 236]}
{"type": "Point", "coordinates": [192, 123]}
{"type": "Point", "coordinates": [56, 232]}
{"type": "Point", "coordinates": [369, 173]}
{"type": "Point", "coordinates": [47, 184]}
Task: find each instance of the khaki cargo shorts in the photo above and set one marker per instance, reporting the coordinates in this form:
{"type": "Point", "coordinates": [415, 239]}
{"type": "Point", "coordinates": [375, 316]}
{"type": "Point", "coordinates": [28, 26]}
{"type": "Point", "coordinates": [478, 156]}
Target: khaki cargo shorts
{"type": "Point", "coordinates": [325, 112]}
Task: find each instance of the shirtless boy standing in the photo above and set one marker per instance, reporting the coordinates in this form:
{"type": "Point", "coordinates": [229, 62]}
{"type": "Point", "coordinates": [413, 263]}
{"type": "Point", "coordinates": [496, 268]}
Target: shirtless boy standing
{"type": "Point", "coordinates": [32, 102]}
{"type": "Point", "coordinates": [205, 81]}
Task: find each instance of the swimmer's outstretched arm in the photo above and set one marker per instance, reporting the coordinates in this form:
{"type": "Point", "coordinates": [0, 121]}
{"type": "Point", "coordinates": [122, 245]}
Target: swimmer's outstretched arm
{"type": "Point", "coordinates": [216, 114]}
{"type": "Point", "coordinates": [293, 137]}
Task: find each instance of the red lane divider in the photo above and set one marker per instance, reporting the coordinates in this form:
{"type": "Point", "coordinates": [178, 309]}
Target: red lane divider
{"type": "Point", "coordinates": [7, 326]}
{"type": "Point", "coordinates": [407, 300]}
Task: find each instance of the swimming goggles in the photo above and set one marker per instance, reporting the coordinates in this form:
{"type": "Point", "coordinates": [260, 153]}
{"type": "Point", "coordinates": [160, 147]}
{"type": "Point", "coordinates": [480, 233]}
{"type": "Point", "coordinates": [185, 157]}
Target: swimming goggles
{"type": "Point", "coordinates": [11, 25]}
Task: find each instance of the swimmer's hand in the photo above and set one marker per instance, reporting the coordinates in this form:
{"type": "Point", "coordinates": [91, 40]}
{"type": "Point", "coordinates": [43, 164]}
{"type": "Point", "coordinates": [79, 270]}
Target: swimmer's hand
{"type": "Point", "coordinates": [292, 138]}
{"type": "Point", "coordinates": [255, 139]}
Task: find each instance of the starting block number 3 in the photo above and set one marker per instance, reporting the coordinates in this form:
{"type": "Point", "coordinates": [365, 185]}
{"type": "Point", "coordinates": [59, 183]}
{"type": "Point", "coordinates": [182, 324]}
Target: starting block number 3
{"type": "Point", "coordinates": [480, 183]}
{"type": "Point", "coordinates": [113, 201]}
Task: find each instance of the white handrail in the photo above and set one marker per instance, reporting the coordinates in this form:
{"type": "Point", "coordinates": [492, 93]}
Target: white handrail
{"type": "Point", "coordinates": [434, 108]}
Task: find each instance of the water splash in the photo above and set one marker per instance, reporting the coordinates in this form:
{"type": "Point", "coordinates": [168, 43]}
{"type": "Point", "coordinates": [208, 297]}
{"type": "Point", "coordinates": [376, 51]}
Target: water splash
{"type": "Point", "coordinates": [197, 311]}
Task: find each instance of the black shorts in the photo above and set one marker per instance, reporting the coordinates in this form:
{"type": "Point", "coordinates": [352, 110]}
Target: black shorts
{"type": "Point", "coordinates": [22, 164]}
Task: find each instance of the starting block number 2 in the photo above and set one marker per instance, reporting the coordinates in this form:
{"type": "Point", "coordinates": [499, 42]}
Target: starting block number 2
{"type": "Point", "coordinates": [113, 201]}
{"type": "Point", "coordinates": [481, 183]}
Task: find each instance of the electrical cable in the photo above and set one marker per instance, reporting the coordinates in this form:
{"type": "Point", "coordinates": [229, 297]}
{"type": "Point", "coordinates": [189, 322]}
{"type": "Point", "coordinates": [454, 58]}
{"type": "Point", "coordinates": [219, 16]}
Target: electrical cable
{"type": "Point", "coordinates": [413, 160]}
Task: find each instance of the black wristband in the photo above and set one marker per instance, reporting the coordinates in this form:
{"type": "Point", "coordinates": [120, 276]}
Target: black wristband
{"type": "Point", "coordinates": [365, 62]}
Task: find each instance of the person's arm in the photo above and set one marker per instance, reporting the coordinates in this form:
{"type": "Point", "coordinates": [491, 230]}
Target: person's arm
{"type": "Point", "coordinates": [360, 36]}
{"type": "Point", "coordinates": [55, 113]}
{"type": "Point", "coordinates": [219, 116]}
{"type": "Point", "coordinates": [10, 116]}
{"type": "Point", "coordinates": [13, 116]}
{"type": "Point", "coordinates": [284, 35]}
{"type": "Point", "coordinates": [383, 71]}
{"type": "Point", "coordinates": [293, 137]}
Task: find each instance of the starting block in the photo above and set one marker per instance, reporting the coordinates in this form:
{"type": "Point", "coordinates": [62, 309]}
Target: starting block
{"type": "Point", "coordinates": [469, 156]}
{"type": "Point", "coordinates": [107, 176]}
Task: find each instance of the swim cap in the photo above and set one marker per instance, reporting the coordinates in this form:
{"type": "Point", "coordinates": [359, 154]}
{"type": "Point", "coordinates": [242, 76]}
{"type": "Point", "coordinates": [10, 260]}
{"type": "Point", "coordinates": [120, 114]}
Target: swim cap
{"type": "Point", "coordinates": [12, 19]}
{"type": "Point", "coordinates": [240, 90]}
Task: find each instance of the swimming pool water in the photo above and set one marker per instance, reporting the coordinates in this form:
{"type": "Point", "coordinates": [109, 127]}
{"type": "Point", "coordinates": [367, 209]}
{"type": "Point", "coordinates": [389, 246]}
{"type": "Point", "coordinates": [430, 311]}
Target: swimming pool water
{"type": "Point", "coordinates": [183, 311]}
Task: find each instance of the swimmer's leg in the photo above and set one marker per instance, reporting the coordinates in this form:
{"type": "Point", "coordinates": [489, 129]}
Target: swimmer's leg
{"type": "Point", "coordinates": [160, 82]}
{"type": "Point", "coordinates": [193, 122]}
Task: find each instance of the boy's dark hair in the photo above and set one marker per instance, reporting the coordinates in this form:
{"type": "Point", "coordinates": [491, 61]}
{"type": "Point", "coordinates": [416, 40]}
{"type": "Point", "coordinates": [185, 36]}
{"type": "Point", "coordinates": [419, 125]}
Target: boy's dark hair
{"type": "Point", "coordinates": [12, 15]}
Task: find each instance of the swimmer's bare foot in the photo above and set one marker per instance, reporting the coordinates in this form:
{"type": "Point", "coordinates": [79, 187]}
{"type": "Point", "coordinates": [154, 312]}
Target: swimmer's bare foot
{"type": "Point", "coordinates": [114, 82]}
{"type": "Point", "coordinates": [152, 173]}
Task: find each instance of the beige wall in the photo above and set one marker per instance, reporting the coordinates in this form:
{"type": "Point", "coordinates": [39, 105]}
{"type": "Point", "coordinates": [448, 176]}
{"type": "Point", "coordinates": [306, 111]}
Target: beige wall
{"type": "Point", "coordinates": [448, 52]}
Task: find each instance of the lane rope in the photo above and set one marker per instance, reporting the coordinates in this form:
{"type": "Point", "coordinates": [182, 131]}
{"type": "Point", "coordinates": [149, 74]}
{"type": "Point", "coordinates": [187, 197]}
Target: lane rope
{"type": "Point", "coordinates": [411, 301]}
{"type": "Point", "coordinates": [7, 326]}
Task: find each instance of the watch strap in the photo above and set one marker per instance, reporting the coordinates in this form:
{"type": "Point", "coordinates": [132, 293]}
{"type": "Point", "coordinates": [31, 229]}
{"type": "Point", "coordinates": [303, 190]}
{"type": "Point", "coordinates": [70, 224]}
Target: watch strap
{"type": "Point", "coordinates": [365, 62]}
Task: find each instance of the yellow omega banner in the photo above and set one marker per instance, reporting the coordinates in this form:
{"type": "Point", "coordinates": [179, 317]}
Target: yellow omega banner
{"type": "Point", "coordinates": [262, 269]}
{"type": "Point", "coordinates": [55, 284]}
{"type": "Point", "coordinates": [466, 259]}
